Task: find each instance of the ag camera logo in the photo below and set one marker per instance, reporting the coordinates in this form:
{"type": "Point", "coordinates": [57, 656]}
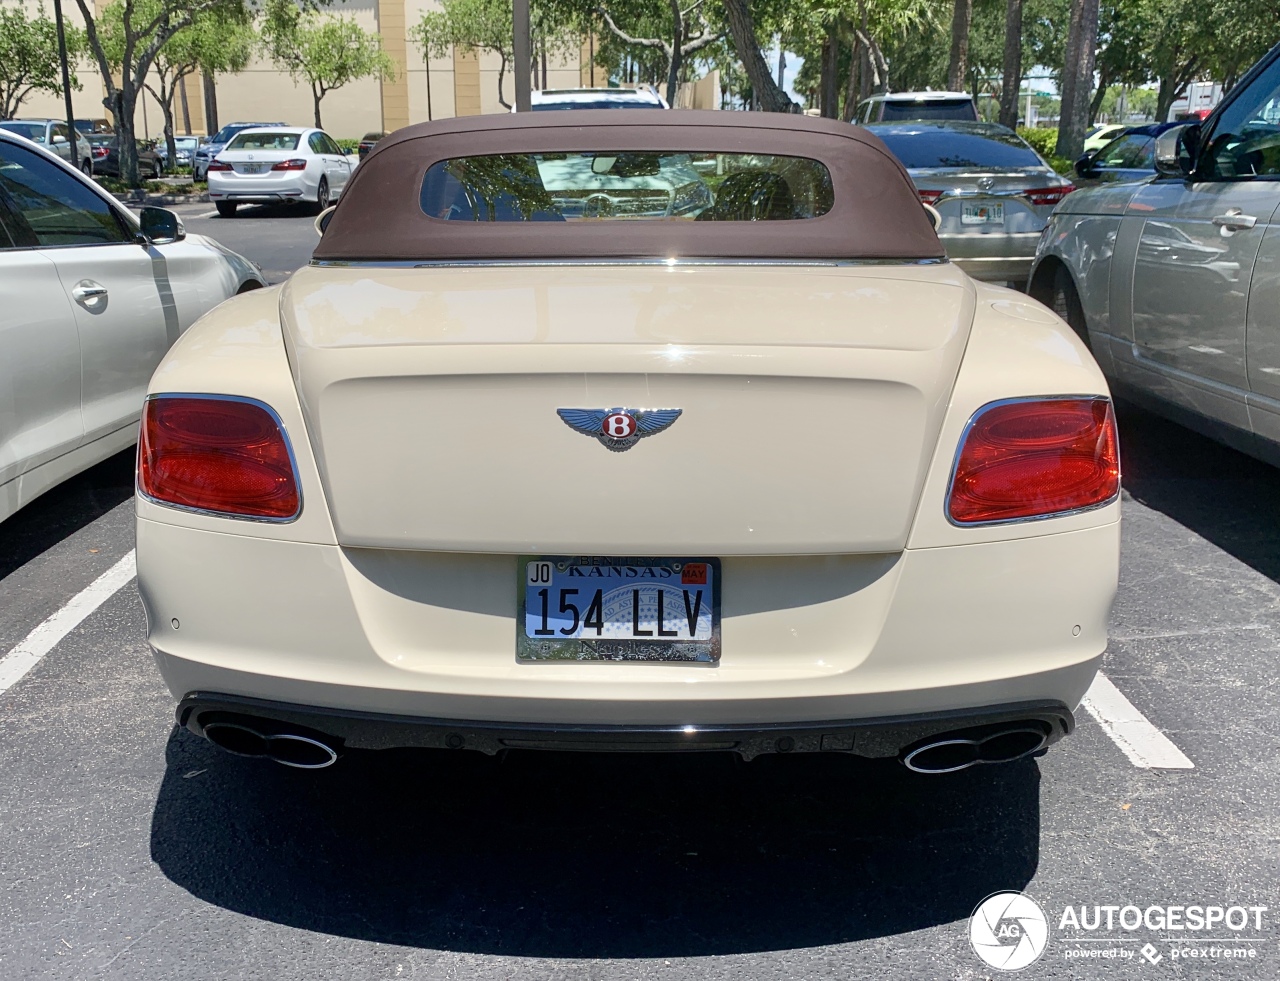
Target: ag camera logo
{"type": "Point", "coordinates": [1008, 931]}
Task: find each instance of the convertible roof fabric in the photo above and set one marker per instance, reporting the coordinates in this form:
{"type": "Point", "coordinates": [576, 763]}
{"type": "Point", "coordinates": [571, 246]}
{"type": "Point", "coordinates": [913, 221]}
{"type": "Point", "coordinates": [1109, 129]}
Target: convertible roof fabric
{"type": "Point", "coordinates": [876, 212]}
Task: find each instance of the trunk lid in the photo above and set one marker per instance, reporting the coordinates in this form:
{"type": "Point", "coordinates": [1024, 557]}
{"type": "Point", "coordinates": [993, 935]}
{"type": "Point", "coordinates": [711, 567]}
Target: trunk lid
{"type": "Point", "coordinates": [811, 398]}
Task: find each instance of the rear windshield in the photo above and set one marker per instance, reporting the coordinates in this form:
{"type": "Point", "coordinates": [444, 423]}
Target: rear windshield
{"type": "Point", "coordinates": [616, 185]}
{"type": "Point", "coordinates": [928, 109]}
{"type": "Point", "coordinates": [596, 104]}
{"type": "Point", "coordinates": [265, 141]}
{"type": "Point", "coordinates": [940, 147]}
{"type": "Point", "coordinates": [32, 131]}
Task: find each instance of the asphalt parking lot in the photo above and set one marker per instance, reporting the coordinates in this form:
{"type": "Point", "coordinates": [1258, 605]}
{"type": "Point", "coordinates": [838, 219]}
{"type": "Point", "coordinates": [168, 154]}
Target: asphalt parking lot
{"type": "Point", "coordinates": [130, 849]}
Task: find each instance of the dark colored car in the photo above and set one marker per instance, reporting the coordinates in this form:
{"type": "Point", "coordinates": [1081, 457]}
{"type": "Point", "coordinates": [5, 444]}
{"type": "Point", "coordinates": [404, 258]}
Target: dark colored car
{"type": "Point", "coordinates": [1129, 157]}
{"type": "Point", "coordinates": [106, 157]}
{"type": "Point", "coordinates": [91, 126]}
{"type": "Point", "coordinates": [368, 142]}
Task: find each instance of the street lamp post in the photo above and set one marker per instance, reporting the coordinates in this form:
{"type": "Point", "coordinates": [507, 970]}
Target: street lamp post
{"type": "Point", "coordinates": [66, 83]}
{"type": "Point", "coordinates": [523, 50]}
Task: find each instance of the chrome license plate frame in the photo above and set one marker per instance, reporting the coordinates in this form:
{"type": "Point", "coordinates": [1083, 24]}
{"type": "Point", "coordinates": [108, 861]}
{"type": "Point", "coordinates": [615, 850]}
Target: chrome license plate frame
{"type": "Point", "coordinates": [617, 604]}
{"type": "Point", "coordinates": [253, 168]}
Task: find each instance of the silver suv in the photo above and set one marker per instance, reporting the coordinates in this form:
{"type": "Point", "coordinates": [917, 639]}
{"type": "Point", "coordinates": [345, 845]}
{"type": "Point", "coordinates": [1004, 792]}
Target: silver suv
{"type": "Point", "coordinates": [892, 107]}
{"type": "Point", "coordinates": [53, 135]}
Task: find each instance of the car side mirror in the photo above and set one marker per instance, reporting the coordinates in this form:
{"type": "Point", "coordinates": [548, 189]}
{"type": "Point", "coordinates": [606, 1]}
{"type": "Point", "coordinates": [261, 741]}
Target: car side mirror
{"type": "Point", "coordinates": [323, 219]}
{"type": "Point", "coordinates": [161, 226]}
{"type": "Point", "coordinates": [1086, 166]}
{"type": "Point", "coordinates": [58, 139]}
{"type": "Point", "coordinates": [1176, 151]}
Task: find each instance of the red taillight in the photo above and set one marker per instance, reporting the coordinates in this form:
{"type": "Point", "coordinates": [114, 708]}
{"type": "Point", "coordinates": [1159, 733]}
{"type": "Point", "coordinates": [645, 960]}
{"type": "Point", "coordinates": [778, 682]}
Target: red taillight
{"type": "Point", "coordinates": [929, 197]}
{"type": "Point", "coordinates": [1049, 195]}
{"type": "Point", "coordinates": [296, 164]}
{"type": "Point", "coordinates": [1032, 458]}
{"type": "Point", "coordinates": [219, 165]}
{"type": "Point", "coordinates": [99, 152]}
{"type": "Point", "coordinates": [223, 455]}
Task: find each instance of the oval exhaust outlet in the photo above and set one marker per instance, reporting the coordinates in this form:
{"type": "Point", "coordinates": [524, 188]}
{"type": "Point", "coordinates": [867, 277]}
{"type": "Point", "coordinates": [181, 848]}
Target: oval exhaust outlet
{"type": "Point", "coordinates": [959, 752]}
{"type": "Point", "coordinates": [300, 751]}
{"type": "Point", "coordinates": [236, 739]}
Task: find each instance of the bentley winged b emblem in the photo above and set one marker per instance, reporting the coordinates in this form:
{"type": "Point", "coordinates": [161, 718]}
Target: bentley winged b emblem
{"type": "Point", "coordinates": [619, 429]}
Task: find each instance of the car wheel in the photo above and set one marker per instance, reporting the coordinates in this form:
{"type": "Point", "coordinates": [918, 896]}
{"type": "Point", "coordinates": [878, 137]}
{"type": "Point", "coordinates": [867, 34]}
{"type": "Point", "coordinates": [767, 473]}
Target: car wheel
{"type": "Point", "coordinates": [87, 168]}
{"type": "Point", "coordinates": [322, 195]}
{"type": "Point", "coordinates": [226, 209]}
{"type": "Point", "coordinates": [1066, 304]}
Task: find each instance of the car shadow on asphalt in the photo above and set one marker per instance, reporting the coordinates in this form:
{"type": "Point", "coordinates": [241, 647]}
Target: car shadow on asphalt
{"type": "Point", "coordinates": [594, 856]}
{"type": "Point", "coordinates": [64, 510]}
{"type": "Point", "coordinates": [1221, 494]}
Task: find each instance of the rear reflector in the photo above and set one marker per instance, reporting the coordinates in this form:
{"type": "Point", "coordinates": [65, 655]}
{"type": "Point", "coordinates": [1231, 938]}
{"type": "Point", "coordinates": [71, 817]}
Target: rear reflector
{"type": "Point", "coordinates": [294, 164]}
{"type": "Point", "coordinates": [223, 455]}
{"type": "Point", "coordinates": [1049, 195]}
{"type": "Point", "coordinates": [1035, 457]}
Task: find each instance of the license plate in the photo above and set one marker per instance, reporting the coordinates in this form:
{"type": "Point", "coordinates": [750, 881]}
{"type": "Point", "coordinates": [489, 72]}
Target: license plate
{"type": "Point", "coordinates": [587, 608]}
{"type": "Point", "coordinates": [253, 168]}
{"type": "Point", "coordinates": [991, 213]}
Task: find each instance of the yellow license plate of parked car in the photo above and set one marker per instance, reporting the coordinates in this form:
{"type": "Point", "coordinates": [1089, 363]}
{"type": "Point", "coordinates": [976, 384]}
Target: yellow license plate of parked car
{"type": "Point", "coordinates": [988, 213]}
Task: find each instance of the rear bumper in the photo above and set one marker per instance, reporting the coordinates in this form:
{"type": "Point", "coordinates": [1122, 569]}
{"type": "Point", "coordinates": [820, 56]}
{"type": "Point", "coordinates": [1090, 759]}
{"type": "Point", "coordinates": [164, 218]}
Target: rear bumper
{"type": "Point", "coordinates": [806, 639]}
{"type": "Point", "coordinates": [878, 738]}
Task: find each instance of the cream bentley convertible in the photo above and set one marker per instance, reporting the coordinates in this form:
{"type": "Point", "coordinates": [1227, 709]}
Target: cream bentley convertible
{"type": "Point", "coordinates": [500, 470]}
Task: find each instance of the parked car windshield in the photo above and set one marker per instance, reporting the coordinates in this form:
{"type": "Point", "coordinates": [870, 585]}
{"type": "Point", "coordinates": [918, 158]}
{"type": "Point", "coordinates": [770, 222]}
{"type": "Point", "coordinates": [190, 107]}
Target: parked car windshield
{"type": "Point", "coordinates": [927, 109]}
{"type": "Point", "coordinates": [595, 104]}
{"type": "Point", "coordinates": [931, 147]}
{"type": "Point", "coordinates": [32, 131]}
{"type": "Point", "coordinates": [614, 185]}
{"type": "Point", "coordinates": [265, 141]}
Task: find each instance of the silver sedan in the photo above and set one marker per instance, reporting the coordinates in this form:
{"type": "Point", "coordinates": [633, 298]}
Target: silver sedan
{"type": "Point", "coordinates": [993, 192]}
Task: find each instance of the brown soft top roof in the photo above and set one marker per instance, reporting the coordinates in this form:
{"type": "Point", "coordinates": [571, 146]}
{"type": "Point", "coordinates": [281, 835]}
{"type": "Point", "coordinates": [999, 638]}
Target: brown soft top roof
{"type": "Point", "coordinates": [876, 213]}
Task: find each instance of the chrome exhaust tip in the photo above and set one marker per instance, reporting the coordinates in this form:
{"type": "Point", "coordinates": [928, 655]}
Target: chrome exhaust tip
{"type": "Point", "coordinates": [286, 748]}
{"type": "Point", "coordinates": [952, 753]}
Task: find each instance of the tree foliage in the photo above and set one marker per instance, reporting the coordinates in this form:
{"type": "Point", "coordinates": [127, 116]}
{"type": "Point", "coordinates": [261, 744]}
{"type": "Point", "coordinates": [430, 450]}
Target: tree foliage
{"type": "Point", "coordinates": [29, 59]}
{"type": "Point", "coordinates": [218, 39]}
{"type": "Point", "coordinates": [326, 52]}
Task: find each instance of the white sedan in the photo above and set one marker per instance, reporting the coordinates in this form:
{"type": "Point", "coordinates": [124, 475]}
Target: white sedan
{"type": "Point", "coordinates": [91, 298]}
{"type": "Point", "coordinates": [278, 165]}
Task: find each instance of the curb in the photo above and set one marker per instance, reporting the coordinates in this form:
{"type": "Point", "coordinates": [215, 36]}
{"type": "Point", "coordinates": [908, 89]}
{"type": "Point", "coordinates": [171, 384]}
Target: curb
{"type": "Point", "coordinates": [135, 199]}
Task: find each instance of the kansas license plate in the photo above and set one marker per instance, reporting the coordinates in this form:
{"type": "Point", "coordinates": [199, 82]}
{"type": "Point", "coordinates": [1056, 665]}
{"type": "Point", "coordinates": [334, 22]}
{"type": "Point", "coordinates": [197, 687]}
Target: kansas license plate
{"type": "Point", "coordinates": [253, 168]}
{"type": "Point", "coordinates": [991, 213]}
{"type": "Point", "coordinates": [618, 609]}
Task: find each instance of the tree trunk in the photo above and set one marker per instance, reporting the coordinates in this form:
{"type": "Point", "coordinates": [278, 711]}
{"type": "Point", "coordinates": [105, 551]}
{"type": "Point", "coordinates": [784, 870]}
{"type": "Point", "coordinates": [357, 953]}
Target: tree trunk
{"type": "Point", "coordinates": [1077, 78]}
{"type": "Point", "coordinates": [186, 111]}
{"type": "Point", "coordinates": [316, 96]}
{"type": "Point", "coordinates": [1095, 106]}
{"type": "Point", "coordinates": [958, 67]}
{"type": "Point", "coordinates": [210, 103]}
{"type": "Point", "coordinates": [855, 78]}
{"type": "Point", "coordinates": [677, 55]}
{"type": "Point", "coordinates": [828, 85]}
{"type": "Point", "coordinates": [742, 27]}
{"type": "Point", "coordinates": [1011, 80]}
{"type": "Point", "coordinates": [502, 72]}
{"type": "Point", "coordinates": [127, 97]}
{"type": "Point", "coordinates": [1165, 96]}
{"type": "Point", "coordinates": [165, 97]}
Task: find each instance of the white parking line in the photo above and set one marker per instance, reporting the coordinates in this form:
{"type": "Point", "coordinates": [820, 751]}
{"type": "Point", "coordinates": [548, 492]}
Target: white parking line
{"type": "Point", "coordinates": [208, 214]}
{"type": "Point", "coordinates": [45, 637]}
{"type": "Point", "coordinates": [1144, 744]}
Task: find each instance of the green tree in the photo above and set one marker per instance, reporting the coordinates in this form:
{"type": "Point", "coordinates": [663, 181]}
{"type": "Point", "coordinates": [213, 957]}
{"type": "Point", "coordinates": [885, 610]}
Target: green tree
{"type": "Point", "coordinates": [486, 25]}
{"type": "Point", "coordinates": [325, 52]}
{"type": "Point", "coordinates": [29, 57]}
{"type": "Point", "coordinates": [217, 39]}
{"type": "Point", "coordinates": [124, 58]}
{"type": "Point", "coordinates": [672, 31]}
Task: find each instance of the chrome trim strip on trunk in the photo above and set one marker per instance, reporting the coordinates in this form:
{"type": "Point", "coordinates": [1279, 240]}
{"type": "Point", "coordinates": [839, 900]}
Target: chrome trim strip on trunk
{"type": "Point", "coordinates": [466, 263]}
